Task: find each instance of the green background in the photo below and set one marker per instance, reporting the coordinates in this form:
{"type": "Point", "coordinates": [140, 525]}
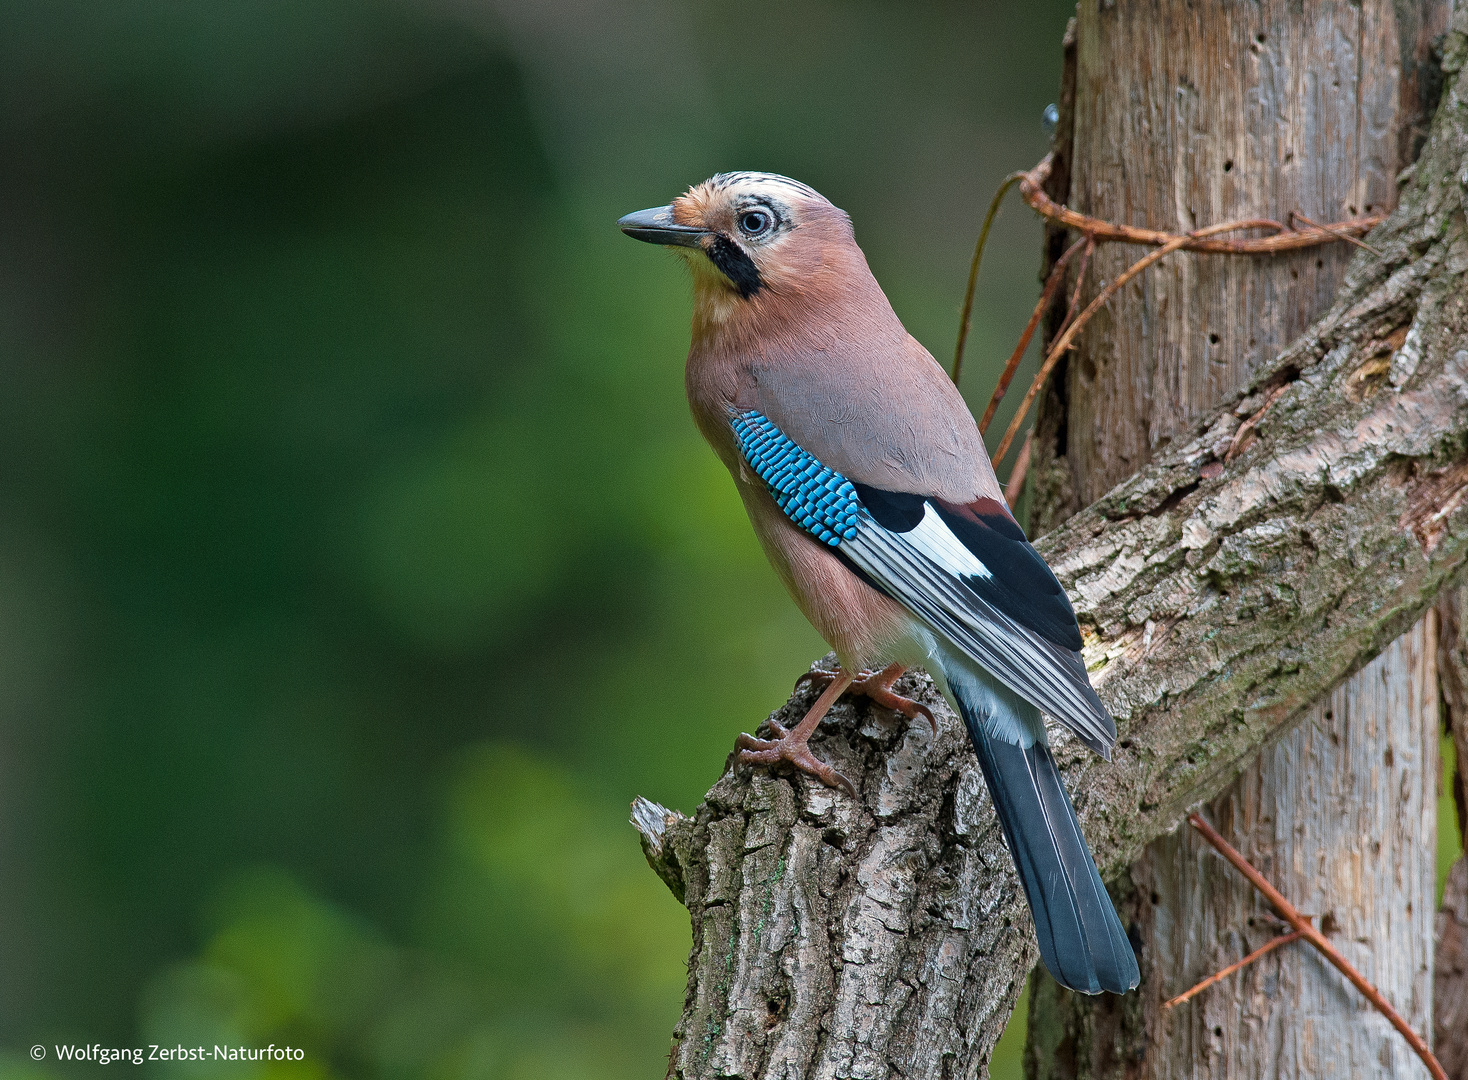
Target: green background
{"type": "Point", "coordinates": [359, 561]}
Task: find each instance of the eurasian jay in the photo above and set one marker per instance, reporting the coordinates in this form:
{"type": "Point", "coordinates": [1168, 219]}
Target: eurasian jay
{"type": "Point", "coordinates": [868, 485]}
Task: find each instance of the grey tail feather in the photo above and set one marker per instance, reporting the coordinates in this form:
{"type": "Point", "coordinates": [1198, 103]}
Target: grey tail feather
{"type": "Point", "coordinates": [1081, 938]}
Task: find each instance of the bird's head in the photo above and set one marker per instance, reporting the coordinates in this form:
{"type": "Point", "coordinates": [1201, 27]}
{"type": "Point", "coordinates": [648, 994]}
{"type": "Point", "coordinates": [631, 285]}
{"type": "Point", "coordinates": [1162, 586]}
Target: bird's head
{"type": "Point", "coordinates": [748, 237]}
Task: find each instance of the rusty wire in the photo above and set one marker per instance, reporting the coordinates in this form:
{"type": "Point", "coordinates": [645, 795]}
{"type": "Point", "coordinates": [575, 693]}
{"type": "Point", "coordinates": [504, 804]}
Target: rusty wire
{"type": "Point", "coordinates": [1307, 930]}
{"type": "Point", "coordinates": [1094, 231]}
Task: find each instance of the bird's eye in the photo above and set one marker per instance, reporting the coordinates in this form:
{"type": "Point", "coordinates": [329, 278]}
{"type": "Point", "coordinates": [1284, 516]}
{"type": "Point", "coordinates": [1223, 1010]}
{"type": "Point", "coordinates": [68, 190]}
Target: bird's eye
{"type": "Point", "coordinates": [755, 222]}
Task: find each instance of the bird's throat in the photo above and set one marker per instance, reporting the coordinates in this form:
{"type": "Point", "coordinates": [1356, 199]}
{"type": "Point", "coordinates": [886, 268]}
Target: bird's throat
{"type": "Point", "coordinates": [715, 300]}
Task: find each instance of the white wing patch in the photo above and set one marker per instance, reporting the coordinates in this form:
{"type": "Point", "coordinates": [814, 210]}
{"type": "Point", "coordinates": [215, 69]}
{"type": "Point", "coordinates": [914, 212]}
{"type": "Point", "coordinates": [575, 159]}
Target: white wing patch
{"type": "Point", "coordinates": [935, 540]}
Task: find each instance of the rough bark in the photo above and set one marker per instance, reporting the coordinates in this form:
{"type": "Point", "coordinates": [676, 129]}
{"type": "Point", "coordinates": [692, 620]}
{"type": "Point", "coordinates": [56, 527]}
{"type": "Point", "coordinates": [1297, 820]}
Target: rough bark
{"type": "Point", "coordinates": [886, 935]}
{"type": "Point", "coordinates": [1188, 115]}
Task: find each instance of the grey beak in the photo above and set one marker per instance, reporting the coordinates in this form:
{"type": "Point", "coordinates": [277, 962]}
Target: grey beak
{"type": "Point", "coordinates": [656, 226]}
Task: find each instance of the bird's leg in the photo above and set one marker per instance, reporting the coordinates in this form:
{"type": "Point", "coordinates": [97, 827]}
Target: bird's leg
{"type": "Point", "coordinates": [877, 685]}
{"type": "Point", "coordinates": [792, 744]}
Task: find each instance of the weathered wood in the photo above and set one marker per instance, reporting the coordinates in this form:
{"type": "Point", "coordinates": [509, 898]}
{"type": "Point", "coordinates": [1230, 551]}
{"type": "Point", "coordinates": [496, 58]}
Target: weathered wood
{"type": "Point", "coordinates": [1189, 115]}
{"type": "Point", "coordinates": [886, 936]}
{"type": "Point", "coordinates": [1192, 114]}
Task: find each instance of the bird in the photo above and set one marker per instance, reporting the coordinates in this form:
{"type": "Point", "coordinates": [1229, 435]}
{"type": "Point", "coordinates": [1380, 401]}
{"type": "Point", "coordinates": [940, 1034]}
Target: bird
{"type": "Point", "coordinates": [870, 490]}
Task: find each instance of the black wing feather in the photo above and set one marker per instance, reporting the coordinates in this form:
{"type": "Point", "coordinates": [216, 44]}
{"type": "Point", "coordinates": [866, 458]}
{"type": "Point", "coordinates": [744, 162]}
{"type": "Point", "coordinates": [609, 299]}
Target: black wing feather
{"type": "Point", "coordinates": [895, 511]}
{"type": "Point", "coordinates": [1023, 586]}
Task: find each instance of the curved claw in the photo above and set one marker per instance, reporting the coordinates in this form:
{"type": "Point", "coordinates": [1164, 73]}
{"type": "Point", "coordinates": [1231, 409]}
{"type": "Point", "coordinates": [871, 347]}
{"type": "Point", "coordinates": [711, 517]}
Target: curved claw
{"type": "Point", "coordinates": [877, 686]}
{"type": "Point", "coordinates": [750, 742]}
{"type": "Point", "coordinates": [812, 677]}
{"type": "Point", "coordinates": [906, 706]}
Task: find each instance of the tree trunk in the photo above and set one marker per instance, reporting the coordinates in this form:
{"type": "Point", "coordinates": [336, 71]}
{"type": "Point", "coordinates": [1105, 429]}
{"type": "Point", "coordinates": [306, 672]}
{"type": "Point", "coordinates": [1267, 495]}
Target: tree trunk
{"type": "Point", "coordinates": [1185, 116]}
{"type": "Point", "coordinates": [885, 935]}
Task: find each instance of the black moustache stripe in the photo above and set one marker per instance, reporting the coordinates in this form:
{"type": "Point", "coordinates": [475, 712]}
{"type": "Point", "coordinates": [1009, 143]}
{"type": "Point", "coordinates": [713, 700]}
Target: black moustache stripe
{"type": "Point", "coordinates": [736, 265]}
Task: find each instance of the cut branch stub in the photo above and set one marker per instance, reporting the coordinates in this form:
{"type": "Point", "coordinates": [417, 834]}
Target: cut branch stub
{"type": "Point", "coordinates": [653, 823]}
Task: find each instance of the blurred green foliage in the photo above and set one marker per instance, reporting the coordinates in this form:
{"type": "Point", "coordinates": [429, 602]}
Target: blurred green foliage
{"type": "Point", "coordinates": [358, 559]}
{"type": "Point", "coordinates": [1449, 830]}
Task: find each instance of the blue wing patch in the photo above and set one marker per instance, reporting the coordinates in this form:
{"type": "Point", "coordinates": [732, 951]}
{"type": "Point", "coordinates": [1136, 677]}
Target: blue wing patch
{"type": "Point", "coordinates": [820, 500]}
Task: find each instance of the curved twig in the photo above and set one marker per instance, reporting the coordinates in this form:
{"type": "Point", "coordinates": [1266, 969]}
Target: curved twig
{"type": "Point", "coordinates": [1052, 286]}
{"type": "Point", "coordinates": [1063, 341]}
{"type": "Point", "coordinates": [1188, 241]}
{"type": "Point", "coordinates": [1237, 965]}
{"type": "Point", "coordinates": [1334, 232]}
{"type": "Point", "coordinates": [1014, 487]}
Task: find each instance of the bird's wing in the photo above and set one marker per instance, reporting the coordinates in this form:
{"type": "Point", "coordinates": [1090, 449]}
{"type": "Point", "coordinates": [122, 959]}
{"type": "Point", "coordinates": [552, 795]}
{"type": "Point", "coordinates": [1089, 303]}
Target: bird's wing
{"type": "Point", "coordinates": [967, 571]}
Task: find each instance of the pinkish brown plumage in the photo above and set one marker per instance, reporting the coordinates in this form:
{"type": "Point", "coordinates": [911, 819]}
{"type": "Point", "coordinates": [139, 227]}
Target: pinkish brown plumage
{"type": "Point", "coordinates": [868, 485]}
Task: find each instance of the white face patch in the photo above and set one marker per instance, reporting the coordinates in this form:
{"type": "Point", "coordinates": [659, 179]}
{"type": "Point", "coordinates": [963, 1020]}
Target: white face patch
{"type": "Point", "coordinates": [776, 197]}
{"type": "Point", "coordinates": [934, 539]}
